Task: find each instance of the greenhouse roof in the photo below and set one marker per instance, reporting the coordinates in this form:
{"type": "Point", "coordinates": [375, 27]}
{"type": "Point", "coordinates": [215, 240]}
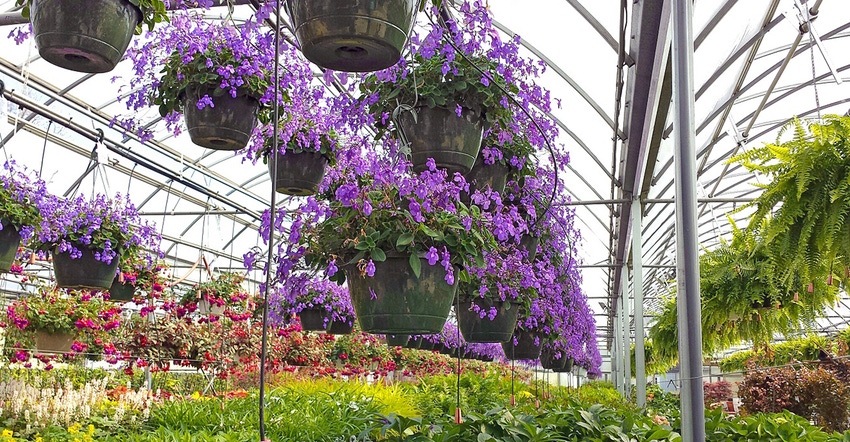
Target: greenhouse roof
{"type": "Point", "coordinates": [609, 65]}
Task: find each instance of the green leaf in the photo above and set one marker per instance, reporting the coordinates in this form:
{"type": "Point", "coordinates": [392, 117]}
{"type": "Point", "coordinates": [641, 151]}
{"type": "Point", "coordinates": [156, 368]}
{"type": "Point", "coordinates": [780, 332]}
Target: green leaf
{"type": "Point", "coordinates": [378, 255]}
{"type": "Point", "coordinates": [415, 264]}
{"type": "Point", "coordinates": [405, 239]}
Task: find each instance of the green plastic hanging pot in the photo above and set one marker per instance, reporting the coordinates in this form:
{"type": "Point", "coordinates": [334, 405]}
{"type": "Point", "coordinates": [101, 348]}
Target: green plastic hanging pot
{"type": "Point", "coordinates": [397, 340]}
{"type": "Point", "coordinates": [121, 291]}
{"type": "Point", "coordinates": [89, 36]}
{"type": "Point", "coordinates": [527, 348]}
{"type": "Point", "coordinates": [298, 174]}
{"type": "Point", "coordinates": [549, 361]}
{"type": "Point", "coordinates": [85, 272]}
{"type": "Point", "coordinates": [396, 301]}
{"type": "Point", "coordinates": [481, 330]}
{"type": "Point", "coordinates": [227, 125]}
{"type": "Point", "coordinates": [566, 368]}
{"type": "Point", "coordinates": [313, 319]}
{"type": "Point", "coordinates": [340, 328]}
{"type": "Point", "coordinates": [438, 132]}
{"type": "Point", "coordinates": [352, 35]}
{"type": "Point", "coordinates": [10, 240]}
{"type": "Point", "coordinates": [483, 176]}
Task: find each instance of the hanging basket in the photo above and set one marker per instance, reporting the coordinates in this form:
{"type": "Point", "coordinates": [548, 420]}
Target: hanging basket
{"type": "Point", "coordinates": [208, 308]}
{"type": "Point", "coordinates": [352, 35]}
{"type": "Point", "coordinates": [227, 125]}
{"type": "Point", "coordinates": [426, 345]}
{"type": "Point", "coordinates": [525, 348]}
{"type": "Point", "coordinates": [85, 272]}
{"type": "Point", "coordinates": [397, 340]}
{"type": "Point", "coordinates": [395, 301]}
{"type": "Point", "coordinates": [298, 174]}
{"type": "Point", "coordinates": [10, 240]}
{"type": "Point", "coordinates": [313, 319]}
{"type": "Point", "coordinates": [46, 342]}
{"type": "Point", "coordinates": [86, 37]}
{"type": "Point", "coordinates": [482, 330]}
{"type": "Point", "coordinates": [437, 132]}
{"type": "Point", "coordinates": [340, 328]}
{"type": "Point", "coordinates": [566, 368]}
{"type": "Point", "coordinates": [483, 176]}
{"type": "Point", "coordinates": [530, 243]}
{"type": "Point", "coordinates": [548, 360]}
{"type": "Point", "coordinates": [121, 292]}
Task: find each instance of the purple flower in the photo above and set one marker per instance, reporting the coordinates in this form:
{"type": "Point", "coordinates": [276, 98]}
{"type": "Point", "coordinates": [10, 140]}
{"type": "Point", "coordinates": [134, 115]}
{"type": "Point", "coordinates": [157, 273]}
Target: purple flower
{"type": "Point", "coordinates": [370, 268]}
{"type": "Point", "coordinates": [432, 256]}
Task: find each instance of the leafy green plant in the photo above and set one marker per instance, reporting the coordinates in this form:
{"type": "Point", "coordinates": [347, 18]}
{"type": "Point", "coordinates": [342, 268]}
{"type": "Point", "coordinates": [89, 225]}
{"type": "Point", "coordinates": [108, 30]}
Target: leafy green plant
{"type": "Point", "coordinates": [805, 200]}
{"type": "Point", "coordinates": [223, 289]}
{"type": "Point", "coordinates": [783, 353]}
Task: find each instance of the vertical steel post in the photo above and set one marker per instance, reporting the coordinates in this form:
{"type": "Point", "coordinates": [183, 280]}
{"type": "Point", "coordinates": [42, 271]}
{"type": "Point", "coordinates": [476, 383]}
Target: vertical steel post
{"type": "Point", "coordinates": [616, 376]}
{"type": "Point", "coordinates": [637, 277]}
{"type": "Point", "coordinates": [627, 335]}
{"type": "Point", "coordinates": [687, 263]}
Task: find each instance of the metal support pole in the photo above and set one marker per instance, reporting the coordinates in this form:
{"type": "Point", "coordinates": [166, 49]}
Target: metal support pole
{"type": "Point", "coordinates": [621, 348]}
{"type": "Point", "coordinates": [627, 335]}
{"type": "Point", "coordinates": [616, 373]}
{"type": "Point", "coordinates": [637, 277]}
{"type": "Point", "coordinates": [687, 260]}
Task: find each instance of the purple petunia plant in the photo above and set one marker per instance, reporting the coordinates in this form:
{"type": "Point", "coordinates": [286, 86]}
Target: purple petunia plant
{"type": "Point", "coordinates": [21, 199]}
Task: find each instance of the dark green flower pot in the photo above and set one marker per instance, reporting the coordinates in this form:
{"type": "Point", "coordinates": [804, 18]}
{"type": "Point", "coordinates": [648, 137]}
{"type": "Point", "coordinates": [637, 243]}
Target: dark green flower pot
{"type": "Point", "coordinates": [566, 368]}
{"type": "Point", "coordinates": [225, 126]}
{"type": "Point", "coordinates": [340, 328]}
{"type": "Point", "coordinates": [85, 272]}
{"type": "Point", "coordinates": [474, 328]}
{"type": "Point", "coordinates": [46, 342]}
{"type": "Point", "coordinates": [10, 240]}
{"type": "Point", "coordinates": [530, 243]}
{"type": "Point", "coordinates": [395, 301]}
{"type": "Point", "coordinates": [121, 292]}
{"type": "Point", "coordinates": [313, 319]}
{"type": "Point", "coordinates": [437, 132]}
{"type": "Point", "coordinates": [548, 360]}
{"type": "Point", "coordinates": [352, 35]}
{"type": "Point", "coordinates": [426, 345]}
{"type": "Point", "coordinates": [86, 36]}
{"type": "Point", "coordinates": [483, 176]}
{"type": "Point", "coordinates": [299, 174]}
{"type": "Point", "coordinates": [397, 340]}
{"type": "Point", "coordinates": [525, 349]}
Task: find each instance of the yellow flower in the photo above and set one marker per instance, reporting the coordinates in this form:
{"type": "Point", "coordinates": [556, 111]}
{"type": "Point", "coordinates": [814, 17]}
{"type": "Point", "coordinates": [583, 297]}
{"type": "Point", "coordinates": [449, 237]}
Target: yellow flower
{"type": "Point", "coordinates": [74, 429]}
{"type": "Point", "coordinates": [39, 439]}
{"type": "Point", "coordinates": [7, 433]}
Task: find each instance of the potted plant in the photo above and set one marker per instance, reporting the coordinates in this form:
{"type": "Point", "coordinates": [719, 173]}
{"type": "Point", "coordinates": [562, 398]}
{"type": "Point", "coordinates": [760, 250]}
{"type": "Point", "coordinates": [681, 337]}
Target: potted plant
{"type": "Point", "coordinates": [805, 199]}
{"type": "Point", "coordinates": [355, 36]}
{"type": "Point", "coordinates": [502, 151]}
{"type": "Point", "coordinates": [89, 237]}
{"type": "Point", "coordinates": [304, 153]}
{"type": "Point", "coordinates": [488, 306]}
{"type": "Point", "coordinates": [212, 297]}
{"type": "Point", "coordinates": [53, 318]}
{"type": "Point", "coordinates": [20, 203]}
{"type": "Point", "coordinates": [138, 274]}
{"type": "Point", "coordinates": [398, 246]}
{"type": "Point", "coordinates": [91, 39]}
{"type": "Point", "coordinates": [154, 342]}
{"type": "Point", "coordinates": [440, 107]}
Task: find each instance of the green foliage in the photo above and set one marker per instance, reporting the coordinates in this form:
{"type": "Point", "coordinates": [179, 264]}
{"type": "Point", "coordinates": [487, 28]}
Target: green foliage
{"type": "Point", "coordinates": [806, 199]}
{"type": "Point", "coordinates": [56, 311]}
{"type": "Point", "coordinates": [800, 349]}
{"type": "Point", "coordinates": [785, 427]}
{"type": "Point", "coordinates": [742, 299]}
{"type": "Point", "coordinates": [219, 289]}
{"type": "Point", "coordinates": [662, 403]}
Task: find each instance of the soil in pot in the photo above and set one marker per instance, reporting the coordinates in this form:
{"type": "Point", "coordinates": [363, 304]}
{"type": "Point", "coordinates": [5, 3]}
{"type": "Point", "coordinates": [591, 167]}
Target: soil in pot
{"type": "Point", "coordinates": [86, 37]}
{"type": "Point", "coordinates": [437, 132]}
{"type": "Point", "coordinates": [353, 35]}
{"type": "Point", "coordinates": [526, 349]}
{"type": "Point", "coordinates": [10, 240]}
{"type": "Point", "coordinates": [85, 272]}
{"type": "Point", "coordinates": [53, 342]}
{"type": "Point", "coordinates": [313, 319]}
{"type": "Point", "coordinates": [477, 329]}
{"type": "Point", "coordinates": [225, 126]}
{"type": "Point", "coordinates": [298, 174]}
{"type": "Point", "coordinates": [396, 301]}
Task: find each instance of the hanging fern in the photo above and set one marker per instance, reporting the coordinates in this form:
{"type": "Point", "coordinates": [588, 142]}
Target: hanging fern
{"type": "Point", "coordinates": [741, 299]}
{"type": "Point", "coordinates": [807, 201]}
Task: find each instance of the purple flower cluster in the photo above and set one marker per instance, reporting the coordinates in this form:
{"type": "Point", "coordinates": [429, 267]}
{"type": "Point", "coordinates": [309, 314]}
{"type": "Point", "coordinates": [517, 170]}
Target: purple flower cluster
{"type": "Point", "coordinates": [304, 292]}
{"type": "Point", "coordinates": [22, 196]}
